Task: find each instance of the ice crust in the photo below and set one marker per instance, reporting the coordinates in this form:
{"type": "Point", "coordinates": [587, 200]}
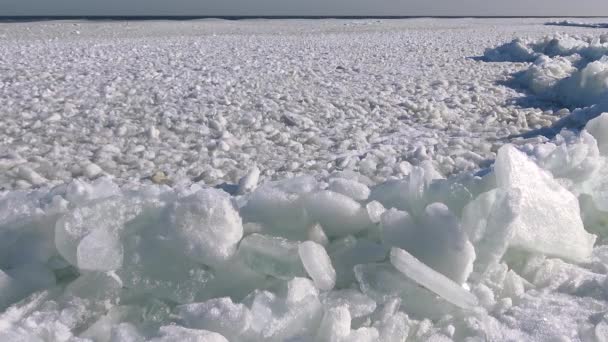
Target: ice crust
{"type": "Point", "coordinates": [337, 256]}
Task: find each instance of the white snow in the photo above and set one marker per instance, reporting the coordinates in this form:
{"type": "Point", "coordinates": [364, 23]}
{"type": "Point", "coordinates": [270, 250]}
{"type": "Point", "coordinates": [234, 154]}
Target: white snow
{"type": "Point", "coordinates": [330, 180]}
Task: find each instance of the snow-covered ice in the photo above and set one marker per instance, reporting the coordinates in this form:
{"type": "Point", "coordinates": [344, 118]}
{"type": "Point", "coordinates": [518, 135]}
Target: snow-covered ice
{"type": "Point", "coordinates": [299, 180]}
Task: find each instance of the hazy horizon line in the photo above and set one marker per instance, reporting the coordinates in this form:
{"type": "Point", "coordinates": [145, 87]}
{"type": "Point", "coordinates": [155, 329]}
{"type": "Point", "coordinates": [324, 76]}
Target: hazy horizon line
{"type": "Point", "coordinates": [22, 18]}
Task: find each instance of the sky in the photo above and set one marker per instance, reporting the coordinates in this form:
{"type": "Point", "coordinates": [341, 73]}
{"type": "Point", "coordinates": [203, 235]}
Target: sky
{"type": "Point", "coordinates": [305, 7]}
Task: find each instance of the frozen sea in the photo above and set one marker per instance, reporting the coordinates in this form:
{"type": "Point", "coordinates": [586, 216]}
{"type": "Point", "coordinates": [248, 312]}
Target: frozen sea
{"type": "Point", "coordinates": [304, 180]}
{"type": "Point", "coordinates": [206, 100]}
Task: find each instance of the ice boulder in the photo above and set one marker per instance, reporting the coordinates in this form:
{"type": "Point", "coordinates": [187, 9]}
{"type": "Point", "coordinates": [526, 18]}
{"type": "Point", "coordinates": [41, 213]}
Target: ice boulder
{"type": "Point", "coordinates": [543, 76]}
{"type": "Point", "coordinates": [172, 333]}
{"type": "Point", "coordinates": [349, 251]}
{"type": "Point", "coordinates": [100, 250]}
{"type": "Point", "coordinates": [206, 226]}
{"type": "Point", "coordinates": [358, 304]}
{"type": "Point", "coordinates": [104, 218]}
{"type": "Point", "coordinates": [488, 222]}
{"type": "Point", "coordinates": [278, 211]}
{"type": "Point", "coordinates": [598, 127]}
{"type": "Point", "coordinates": [587, 86]}
{"type": "Point", "coordinates": [271, 255]}
{"type": "Point", "coordinates": [277, 318]}
{"type": "Point", "coordinates": [431, 280]}
{"type": "Point", "coordinates": [548, 215]}
{"type": "Point", "coordinates": [394, 328]}
{"type": "Point", "coordinates": [436, 238]}
{"type": "Point", "coordinates": [574, 156]}
{"type": "Point", "coordinates": [350, 188]}
{"type": "Point", "coordinates": [339, 215]}
{"type": "Point", "coordinates": [20, 282]}
{"type": "Point", "coordinates": [335, 326]}
{"type": "Point", "coordinates": [219, 315]}
{"type": "Point", "coordinates": [318, 265]}
{"type": "Point", "coordinates": [515, 51]}
{"type": "Point", "coordinates": [383, 283]}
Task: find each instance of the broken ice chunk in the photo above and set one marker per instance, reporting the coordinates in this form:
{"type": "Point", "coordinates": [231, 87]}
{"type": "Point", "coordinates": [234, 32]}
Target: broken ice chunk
{"type": "Point", "coordinates": [358, 304]}
{"type": "Point", "coordinates": [173, 333]}
{"type": "Point", "coordinates": [271, 255]}
{"type": "Point", "coordinates": [206, 226]}
{"type": "Point", "coordinates": [382, 282]}
{"type": "Point", "coordinates": [363, 334]}
{"type": "Point", "coordinates": [296, 321]}
{"type": "Point", "coordinates": [436, 239]}
{"type": "Point", "coordinates": [316, 234]}
{"type": "Point", "coordinates": [100, 251]}
{"type": "Point", "coordinates": [219, 315]}
{"type": "Point", "coordinates": [432, 280]}
{"type": "Point", "coordinates": [350, 188]}
{"type": "Point", "coordinates": [375, 210]}
{"type": "Point", "coordinates": [598, 127]}
{"type": "Point", "coordinates": [335, 325]}
{"type": "Point", "coordinates": [279, 211]}
{"type": "Point", "coordinates": [350, 251]}
{"type": "Point", "coordinates": [299, 290]}
{"type": "Point", "coordinates": [394, 328]}
{"type": "Point", "coordinates": [548, 219]}
{"type": "Point", "coordinates": [338, 214]}
{"type": "Point", "coordinates": [95, 286]}
{"type": "Point", "coordinates": [250, 181]}
{"type": "Point", "coordinates": [18, 283]}
{"type": "Point", "coordinates": [488, 223]}
{"type": "Point", "coordinates": [317, 264]}
{"type": "Point", "coordinates": [125, 332]}
{"type": "Point", "coordinates": [110, 216]}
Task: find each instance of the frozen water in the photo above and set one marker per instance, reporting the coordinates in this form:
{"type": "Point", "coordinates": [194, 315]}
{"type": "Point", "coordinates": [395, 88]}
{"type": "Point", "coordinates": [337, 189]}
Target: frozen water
{"type": "Point", "coordinates": [99, 251]}
{"type": "Point", "coordinates": [598, 127]}
{"type": "Point", "coordinates": [358, 304]}
{"type": "Point", "coordinates": [245, 180]}
{"type": "Point", "coordinates": [338, 214]}
{"type": "Point", "coordinates": [335, 326]}
{"type": "Point", "coordinates": [548, 214]}
{"type": "Point", "coordinates": [317, 264]}
{"type": "Point", "coordinates": [207, 226]}
{"type": "Point", "coordinates": [430, 279]}
{"type": "Point", "coordinates": [271, 255]}
{"type": "Point", "coordinates": [219, 315]}
{"type": "Point", "coordinates": [350, 188]}
{"type": "Point", "coordinates": [172, 333]}
{"type": "Point", "coordinates": [437, 239]}
{"type": "Point", "coordinates": [488, 223]}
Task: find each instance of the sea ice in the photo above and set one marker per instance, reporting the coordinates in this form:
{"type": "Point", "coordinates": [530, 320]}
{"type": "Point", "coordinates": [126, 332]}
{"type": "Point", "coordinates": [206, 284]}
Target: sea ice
{"type": "Point", "coordinates": [432, 280]}
{"type": "Point", "coordinates": [317, 264]}
{"type": "Point", "coordinates": [271, 255]}
{"type": "Point", "coordinates": [219, 315]}
{"type": "Point", "coordinates": [436, 239]}
{"type": "Point", "coordinates": [207, 227]}
{"type": "Point", "coordinates": [547, 214]}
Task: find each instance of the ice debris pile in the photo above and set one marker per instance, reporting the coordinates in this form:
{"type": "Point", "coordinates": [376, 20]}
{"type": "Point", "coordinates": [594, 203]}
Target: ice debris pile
{"type": "Point", "coordinates": [422, 258]}
{"type": "Point", "coordinates": [571, 71]}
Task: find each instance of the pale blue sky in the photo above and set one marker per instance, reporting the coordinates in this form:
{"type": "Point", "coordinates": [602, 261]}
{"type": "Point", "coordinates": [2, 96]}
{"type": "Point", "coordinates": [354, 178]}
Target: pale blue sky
{"type": "Point", "coordinates": [307, 7]}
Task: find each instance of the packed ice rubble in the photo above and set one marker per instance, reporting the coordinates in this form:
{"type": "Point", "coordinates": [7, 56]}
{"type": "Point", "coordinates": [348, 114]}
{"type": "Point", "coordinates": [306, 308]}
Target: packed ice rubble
{"type": "Point", "coordinates": [577, 24]}
{"type": "Point", "coordinates": [571, 71]}
{"type": "Point", "coordinates": [422, 258]}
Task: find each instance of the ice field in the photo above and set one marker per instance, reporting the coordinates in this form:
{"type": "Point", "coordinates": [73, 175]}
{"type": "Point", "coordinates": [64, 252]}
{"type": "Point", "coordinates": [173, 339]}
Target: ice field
{"type": "Point", "coordinates": [304, 180]}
